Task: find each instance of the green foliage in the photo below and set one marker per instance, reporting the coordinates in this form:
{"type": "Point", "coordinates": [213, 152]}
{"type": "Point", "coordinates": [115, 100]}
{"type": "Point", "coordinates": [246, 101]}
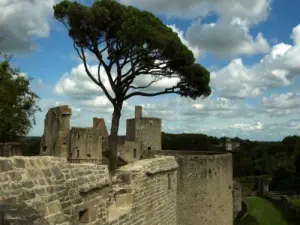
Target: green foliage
{"type": "Point", "coordinates": [285, 180]}
{"type": "Point", "coordinates": [17, 103]}
{"type": "Point", "coordinates": [185, 142]}
{"type": "Point", "coordinates": [137, 44]}
{"type": "Point", "coordinates": [31, 146]}
{"type": "Point", "coordinates": [191, 142]}
{"type": "Point", "coordinates": [247, 220]}
{"type": "Point", "coordinates": [265, 212]}
{"type": "Point", "coordinates": [296, 203]}
{"type": "Point", "coordinates": [262, 158]}
{"type": "Point", "coordinates": [134, 39]}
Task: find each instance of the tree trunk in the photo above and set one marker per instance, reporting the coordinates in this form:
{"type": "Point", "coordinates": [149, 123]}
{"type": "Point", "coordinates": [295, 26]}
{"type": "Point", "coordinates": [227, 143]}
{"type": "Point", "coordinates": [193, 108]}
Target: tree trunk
{"type": "Point", "coordinates": [113, 141]}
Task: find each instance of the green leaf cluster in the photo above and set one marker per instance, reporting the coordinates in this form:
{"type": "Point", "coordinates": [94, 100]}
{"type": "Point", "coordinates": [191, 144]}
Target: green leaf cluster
{"type": "Point", "coordinates": [128, 33]}
{"type": "Point", "coordinates": [18, 103]}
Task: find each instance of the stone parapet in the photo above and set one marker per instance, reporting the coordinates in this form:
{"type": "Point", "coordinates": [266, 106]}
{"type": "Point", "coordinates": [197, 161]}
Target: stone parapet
{"type": "Point", "coordinates": [152, 166]}
{"type": "Point", "coordinates": [62, 193]}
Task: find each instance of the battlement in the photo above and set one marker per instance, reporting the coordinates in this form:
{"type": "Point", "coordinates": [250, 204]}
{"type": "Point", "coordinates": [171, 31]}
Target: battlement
{"type": "Point", "coordinates": [65, 194]}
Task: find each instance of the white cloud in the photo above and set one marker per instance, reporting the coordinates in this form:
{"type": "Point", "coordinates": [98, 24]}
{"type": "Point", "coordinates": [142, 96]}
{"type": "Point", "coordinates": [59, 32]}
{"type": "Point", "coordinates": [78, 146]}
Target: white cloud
{"type": "Point", "coordinates": [254, 11]}
{"type": "Point", "coordinates": [181, 35]}
{"type": "Point", "coordinates": [77, 84]}
{"type": "Point", "coordinates": [161, 84]}
{"type": "Point", "coordinates": [226, 38]}
{"type": "Point", "coordinates": [248, 127]}
{"type": "Point", "coordinates": [282, 104]}
{"type": "Point", "coordinates": [218, 108]}
{"type": "Point", "coordinates": [18, 33]}
{"type": "Point", "coordinates": [276, 69]}
{"type": "Point", "coordinates": [99, 101]}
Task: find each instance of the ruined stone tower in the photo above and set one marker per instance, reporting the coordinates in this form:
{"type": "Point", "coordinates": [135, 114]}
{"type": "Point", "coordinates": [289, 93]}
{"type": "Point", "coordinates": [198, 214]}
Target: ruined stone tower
{"type": "Point", "coordinates": [76, 144]}
{"type": "Point", "coordinates": [55, 140]}
{"type": "Point", "coordinates": [85, 144]}
{"type": "Point", "coordinates": [144, 130]}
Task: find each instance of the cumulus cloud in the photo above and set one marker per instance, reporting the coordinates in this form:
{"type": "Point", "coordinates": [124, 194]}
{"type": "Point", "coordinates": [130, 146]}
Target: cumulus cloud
{"type": "Point", "coordinates": [276, 69]}
{"type": "Point", "coordinates": [181, 35]}
{"type": "Point", "coordinates": [161, 84]}
{"type": "Point", "coordinates": [18, 33]}
{"type": "Point", "coordinates": [282, 104]}
{"type": "Point", "coordinates": [77, 84]}
{"type": "Point", "coordinates": [254, 11]}
{"type": "Point", "coordinates": [226, 38]}
{"type": "Point", "coordinates": [219, 108]}
{"type": "Point", "coordinates": [248, 127]}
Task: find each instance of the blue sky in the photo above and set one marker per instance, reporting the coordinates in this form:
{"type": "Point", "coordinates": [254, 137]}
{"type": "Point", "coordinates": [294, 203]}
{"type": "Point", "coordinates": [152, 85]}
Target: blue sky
{"type": "Point", "coordinates": [252, 49]}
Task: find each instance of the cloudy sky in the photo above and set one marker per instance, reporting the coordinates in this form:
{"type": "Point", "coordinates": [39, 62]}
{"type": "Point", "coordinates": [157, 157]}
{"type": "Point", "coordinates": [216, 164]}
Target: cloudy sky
{"type": "Point", "coordinates": [251, 48]}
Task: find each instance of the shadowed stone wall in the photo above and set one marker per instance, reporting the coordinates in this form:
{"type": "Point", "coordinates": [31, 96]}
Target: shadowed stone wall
{"type": "Point", "coordinates": [99, 123]}
{"type": "Point", "coordinates": [143, 193]}
{"type": "Point", "coordinates": [9, 149]}
{"type": "Point", "coordinates": [204, 191]}
{"type": "Point", "coordinates": [237, 198]}
{"type": "Point", "coordinates": [55, 139]}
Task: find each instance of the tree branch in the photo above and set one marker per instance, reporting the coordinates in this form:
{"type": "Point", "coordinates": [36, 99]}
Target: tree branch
{"type": "Point", "coordinates": [107, 68]}
{"type": "Point", "coordinates": [166, 91]}
{"type": "Point", "coordinates": [148, 85]}
{"type": "Point", "coordinates": [99, 83]}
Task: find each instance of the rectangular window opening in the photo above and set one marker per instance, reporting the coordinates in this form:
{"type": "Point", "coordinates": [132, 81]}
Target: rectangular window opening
{"type": "Point", "coordinates": [169, 182]}
{"type": "Point", "coordinates": [83, 216]}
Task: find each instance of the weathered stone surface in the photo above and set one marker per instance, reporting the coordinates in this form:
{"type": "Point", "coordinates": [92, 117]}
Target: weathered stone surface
{"type": "Point", "coordinates": [150, 166]}
{"type": "Point", "coordinates": [20, 214]}
{"type": "Point", "coordinates": [49, 190]}
{"type": "Point", "coordinates": [237, 198]}
{"type": "Point", "coordinates": [6, 164]}
{"type": "Point", "coordinates": [204, 191]}
{"type": "Point", "coordinates": [19, 162]}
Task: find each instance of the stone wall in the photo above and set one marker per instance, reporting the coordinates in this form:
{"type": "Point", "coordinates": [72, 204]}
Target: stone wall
{"type": "Point", "coordinates": [55, 139]}
{"type": "Point", "coordinates": [130, 130]}
{"type": "Point", "coordinates": [204, 191]}
{"type": "Point", "coordinates": [85, 143]}
{"type": "Point", "coordinates": [129, 151]}
{"type": "Point", "coordinates": [144, 193]}
{"type": "Point", "coordinates": [144, 130]}
{"type": "Point", "coordinates": [154, 183]}
{"type": "Point", "coordinates": [237, 198]}
{"type": "Point", "coordinates": [99, 123]}
{"type": "Point", "coordinates": [148, 133]}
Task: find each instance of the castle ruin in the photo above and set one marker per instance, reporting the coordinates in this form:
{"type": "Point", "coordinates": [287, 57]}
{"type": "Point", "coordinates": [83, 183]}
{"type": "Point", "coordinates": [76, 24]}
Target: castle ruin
{"type": "Point", "coordinates": [69, 184]}
{"type": "Point", "coordinates": [88, 144]}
